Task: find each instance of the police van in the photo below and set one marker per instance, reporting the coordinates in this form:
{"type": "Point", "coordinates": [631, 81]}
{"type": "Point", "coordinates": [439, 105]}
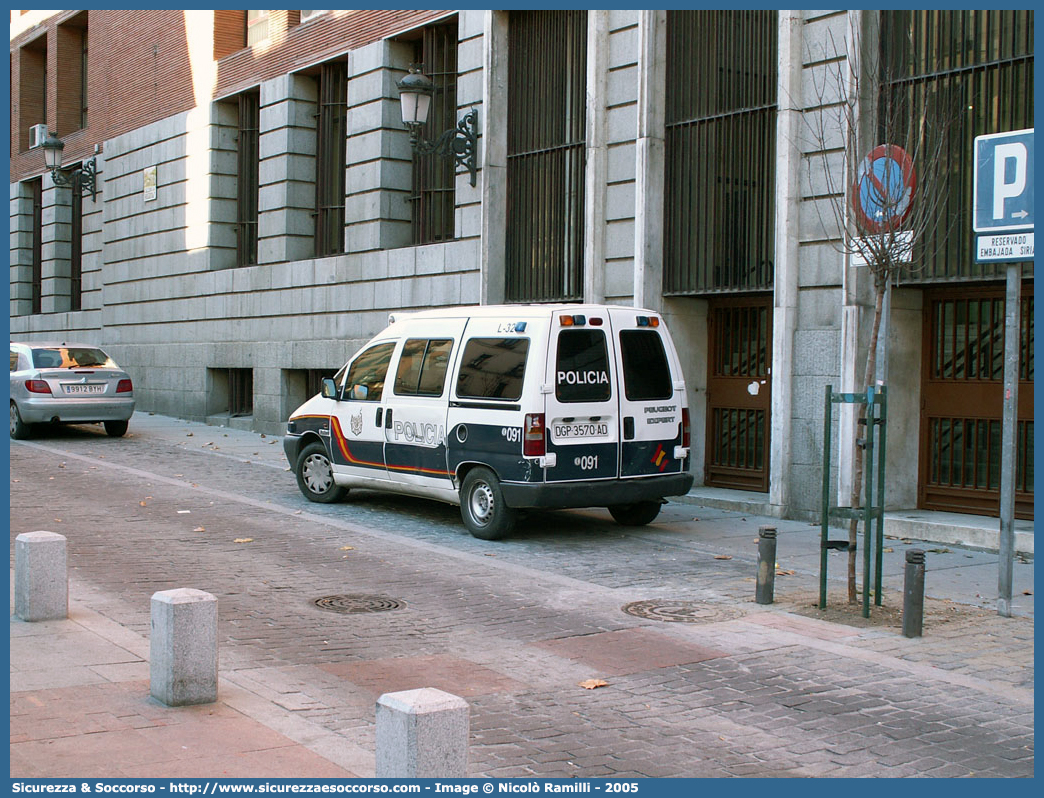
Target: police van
{"type": "Point", "coordinates": [501, 408]}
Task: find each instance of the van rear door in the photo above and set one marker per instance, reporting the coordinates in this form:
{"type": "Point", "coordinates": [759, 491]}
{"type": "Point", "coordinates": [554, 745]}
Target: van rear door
{"type": "Point", "coordinates": [652, 395]}
{"type": "Point", "coordinates": [582, 417]}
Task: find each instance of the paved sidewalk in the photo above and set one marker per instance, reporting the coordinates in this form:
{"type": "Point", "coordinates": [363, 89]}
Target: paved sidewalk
{"type": "Point", "coordinates": [753, 691]}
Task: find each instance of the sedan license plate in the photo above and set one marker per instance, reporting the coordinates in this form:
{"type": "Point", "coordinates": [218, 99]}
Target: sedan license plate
{"type": "Point", "coordinates": [581, 429]}
{"type": "Point", "coordinates": [82, 389]}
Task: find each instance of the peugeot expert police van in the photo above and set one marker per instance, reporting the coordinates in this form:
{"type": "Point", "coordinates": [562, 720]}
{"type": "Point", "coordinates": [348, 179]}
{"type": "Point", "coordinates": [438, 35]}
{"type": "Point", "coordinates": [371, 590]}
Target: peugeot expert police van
{"type": "Point", "coordinates": [501, 408]}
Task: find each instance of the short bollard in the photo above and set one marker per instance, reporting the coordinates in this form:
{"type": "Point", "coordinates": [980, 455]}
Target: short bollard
{"type": "Point", "coordinates": [41, 578]}
{"type": "Point", "coordinates": [422, 734]}
{"type": "Point", "coordinates": [183, 667]}
{"type": "Point", "coordinates": [766, 565]}
{"type": "Point", "coordinates": [913, 594]}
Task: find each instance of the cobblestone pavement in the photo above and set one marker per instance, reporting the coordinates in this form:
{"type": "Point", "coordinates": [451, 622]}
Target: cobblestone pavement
{"type": "Point", "coordinates": [515, 626]}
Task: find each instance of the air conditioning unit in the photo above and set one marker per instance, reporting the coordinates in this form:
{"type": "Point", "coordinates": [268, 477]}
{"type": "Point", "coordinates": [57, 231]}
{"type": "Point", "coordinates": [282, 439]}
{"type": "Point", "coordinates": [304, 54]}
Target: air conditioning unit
{"type": "Point", "coordinates": [37, 135]}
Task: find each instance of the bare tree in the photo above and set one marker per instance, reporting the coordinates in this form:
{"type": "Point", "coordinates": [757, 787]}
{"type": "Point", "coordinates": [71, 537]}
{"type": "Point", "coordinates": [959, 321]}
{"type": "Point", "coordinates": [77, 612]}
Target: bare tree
{"type": "Point", "coordinates": [884, 182]}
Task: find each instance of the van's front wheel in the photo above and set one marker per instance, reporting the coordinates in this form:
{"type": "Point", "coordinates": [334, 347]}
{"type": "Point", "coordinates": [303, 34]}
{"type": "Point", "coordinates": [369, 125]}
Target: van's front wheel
{"type": "Point", "coordinates": [315, 475]}
{"type": "Point", "coordinates": [637, 514]}
{"type": "Point", "coordinates": [482, 506]}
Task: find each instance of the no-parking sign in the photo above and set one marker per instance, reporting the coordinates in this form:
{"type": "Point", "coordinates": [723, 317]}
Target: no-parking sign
{"type": "Point", "coordinates": [883, 191]}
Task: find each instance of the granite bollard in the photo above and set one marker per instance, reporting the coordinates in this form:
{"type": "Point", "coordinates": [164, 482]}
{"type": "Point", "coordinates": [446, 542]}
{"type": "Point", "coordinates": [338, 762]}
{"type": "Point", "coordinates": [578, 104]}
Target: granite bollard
{"type": "Point", "coordinates": [41, 578]}
{"type": "Point", "coordinates": [183, 665]}
{"type": "Point", "coordinates": [422, 734]}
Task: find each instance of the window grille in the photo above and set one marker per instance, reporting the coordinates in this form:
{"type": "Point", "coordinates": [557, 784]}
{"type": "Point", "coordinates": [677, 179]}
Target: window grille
{"type": "Point", "coordinates": [330, 158]}
{"type": "Point", "coordinates": [240, 392]}
{"type": "Point", "coordinates": [720, 151]}
{"type": "Point", "coordinates": [433, 197]}
{"type": "Point", "coordinates": [982, 62]}
{"type": "Point", "coordinates": [546, 157]}
{"type": "Point", "coordinates": [36, 279]}
{"type": "Point", "coordinates": [248, 158]}
{"type": "Point", "coordinates": [76, 253]}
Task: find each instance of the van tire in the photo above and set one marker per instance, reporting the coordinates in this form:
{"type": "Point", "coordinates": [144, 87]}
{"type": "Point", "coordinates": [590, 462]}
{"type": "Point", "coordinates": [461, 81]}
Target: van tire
{"type": "Point", "coordinates": [482, 506]}
{"type": "Point", "coordinates": [637, 514]}
{"type": "Point", "coordinates": [315, 475]}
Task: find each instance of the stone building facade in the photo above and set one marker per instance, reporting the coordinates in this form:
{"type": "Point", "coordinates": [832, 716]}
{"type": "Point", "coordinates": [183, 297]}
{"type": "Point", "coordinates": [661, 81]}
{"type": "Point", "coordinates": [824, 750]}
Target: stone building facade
{"type": "Point", "coordinates": [259, 212]}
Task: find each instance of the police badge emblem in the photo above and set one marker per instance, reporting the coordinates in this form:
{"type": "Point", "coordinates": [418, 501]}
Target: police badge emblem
{"type": "Point", "coordinates": [357, 424]}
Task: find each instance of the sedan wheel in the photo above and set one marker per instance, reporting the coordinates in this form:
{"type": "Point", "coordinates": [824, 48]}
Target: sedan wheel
{"type": "Point", "coordinates": [19, 429]}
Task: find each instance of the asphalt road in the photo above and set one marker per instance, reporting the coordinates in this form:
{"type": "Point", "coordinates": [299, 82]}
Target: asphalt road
{"type": "Point", "coordinates": [515, 626]}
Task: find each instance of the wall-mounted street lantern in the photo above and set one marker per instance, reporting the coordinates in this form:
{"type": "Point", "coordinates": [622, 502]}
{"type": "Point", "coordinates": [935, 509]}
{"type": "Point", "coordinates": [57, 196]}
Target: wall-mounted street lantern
{"type": "Point", "coordinates": [415, 93]}
{"type": "Point", "coordinates": [82, 179]}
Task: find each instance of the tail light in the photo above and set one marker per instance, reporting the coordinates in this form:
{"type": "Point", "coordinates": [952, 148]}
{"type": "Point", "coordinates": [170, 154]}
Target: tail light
{"type": "Point", "coordinates": [124, 386]}
{"type": "Point", "coordinates": [686, 435]}
{"type": "Point", "coordinates": [533, 436]}
{"type": "Point", "coordinates": [37, 386]}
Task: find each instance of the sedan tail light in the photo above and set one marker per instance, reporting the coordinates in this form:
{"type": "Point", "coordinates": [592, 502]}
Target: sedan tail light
{"type": "Point", "coordinates": [533, 436]}
{"type": "Point", "coordinates": [124, 386]}
{"type": "Point", "coordinates": [37, 386]}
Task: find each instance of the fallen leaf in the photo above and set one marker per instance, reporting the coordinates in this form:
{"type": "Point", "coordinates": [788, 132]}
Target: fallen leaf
{"type": "Point", "coordinates": [61, 465]}
{"type": "Point", "coordinates": [347, 548]}
{"type": "Point", "coordinates": [594, 684]}
{"type": "Point", "coordinates": [1027, 592]}
{"type": "Point", "coordinates": [142, 503]}
{"type": "Point", "coordinates": [188, 435]}
{"type": "Point", "coordinates": [888, 550]}
{"type": "Point", "coordinates": [199, 529]}
{"type": "Point", "coordinates": [243, 540]}
{"type": "Point", "coordinates": [784, 572]}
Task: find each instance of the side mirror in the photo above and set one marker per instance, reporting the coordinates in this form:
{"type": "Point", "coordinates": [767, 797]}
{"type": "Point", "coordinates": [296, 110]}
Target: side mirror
{"type": "Point", "coordinates": [329, 390]}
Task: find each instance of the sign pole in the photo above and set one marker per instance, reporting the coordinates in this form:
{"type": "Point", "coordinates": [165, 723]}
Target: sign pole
{"type": "Point", "coordinates": [1009, 439]}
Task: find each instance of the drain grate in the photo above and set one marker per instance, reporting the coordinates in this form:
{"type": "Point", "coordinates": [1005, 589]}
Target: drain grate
{"type": "Point", "coordinates": [682, 611]}
{"type": "Point", "coordinates": [355, 602]}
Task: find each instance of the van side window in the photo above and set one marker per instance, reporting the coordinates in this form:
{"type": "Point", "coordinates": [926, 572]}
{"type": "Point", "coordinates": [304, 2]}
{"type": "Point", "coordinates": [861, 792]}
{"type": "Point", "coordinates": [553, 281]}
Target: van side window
{"type": "Point", "coordinates": [366, 375]}
{"type": "Point", "coordinates": [422, 367]}
{"type": "Point", "coordinates": [493, 368]}
{"type": "Point", "coordinates": [582, 368]}
{"type": "Point", "coordinates": [646, 373]}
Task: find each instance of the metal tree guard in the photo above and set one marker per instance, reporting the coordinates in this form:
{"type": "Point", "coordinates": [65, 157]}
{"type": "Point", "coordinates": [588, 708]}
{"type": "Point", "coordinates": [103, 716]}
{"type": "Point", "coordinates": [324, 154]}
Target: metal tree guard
{"type": "Point", "coordinates": [876, 402]}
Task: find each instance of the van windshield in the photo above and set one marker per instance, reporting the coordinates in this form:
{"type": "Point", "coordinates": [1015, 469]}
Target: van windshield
{"type": "Point", "coordinates": [646, 373]}
{"type": "Point", "coordinates": [582, 367]}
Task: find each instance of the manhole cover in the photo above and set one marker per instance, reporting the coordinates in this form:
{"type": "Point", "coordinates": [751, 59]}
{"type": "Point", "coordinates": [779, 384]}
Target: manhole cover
{"type": "Point", "coordinates": [682, 611]}
{"type": "Point", "coordinates": [358, 603]}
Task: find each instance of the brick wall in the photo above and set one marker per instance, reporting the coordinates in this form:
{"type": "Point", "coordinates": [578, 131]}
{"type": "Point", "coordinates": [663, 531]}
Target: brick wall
{"type": "Point", "coordinates": [139, 71]}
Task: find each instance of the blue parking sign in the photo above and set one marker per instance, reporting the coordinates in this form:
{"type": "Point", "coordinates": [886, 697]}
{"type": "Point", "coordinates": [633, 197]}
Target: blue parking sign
{"type": "Point", "coordinates": [1003, 182]}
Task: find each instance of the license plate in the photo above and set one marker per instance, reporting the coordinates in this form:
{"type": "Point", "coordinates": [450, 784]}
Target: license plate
{"type": "Point", "coordinates": [82, 389]}
{"type": "Point", "coordinates": [579, 430]}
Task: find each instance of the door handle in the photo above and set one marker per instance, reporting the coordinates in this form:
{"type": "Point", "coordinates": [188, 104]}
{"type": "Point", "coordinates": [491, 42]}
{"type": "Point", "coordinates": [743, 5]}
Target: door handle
{"type": "Point", "coordinates": [387, 419]}
{"type": "Point", "coordinates": [380, 416]}
{"type": "Point", "coordinates": [628, 428]}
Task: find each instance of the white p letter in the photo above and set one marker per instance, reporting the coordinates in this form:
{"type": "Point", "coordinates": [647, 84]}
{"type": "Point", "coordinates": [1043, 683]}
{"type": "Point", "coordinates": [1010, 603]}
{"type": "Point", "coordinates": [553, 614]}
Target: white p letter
{"type": "Point", "coordinates": [1002, 189]}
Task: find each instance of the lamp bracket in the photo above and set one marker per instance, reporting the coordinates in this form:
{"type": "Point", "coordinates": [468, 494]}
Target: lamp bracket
{"type": "Point", "coordinates": [459, 142]}
{"type": "Point", "coordinates": [83, 179]}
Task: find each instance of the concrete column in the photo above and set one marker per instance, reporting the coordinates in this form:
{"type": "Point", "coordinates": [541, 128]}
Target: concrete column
{"type": "Point", "coordinates": [785, 293]}
{"type": "Point", "coordinates": [183, 647]}
{"type": "Point", "coordinates": [597, 169]}
{"type": "Point", "coordinates": [41, 581]}
{"type": "Point", "coordinates": [422, 734]}
{"type": "Point", "coordinates": [649, 166]}
{"type": "Point", "coordinates": [493, 158]}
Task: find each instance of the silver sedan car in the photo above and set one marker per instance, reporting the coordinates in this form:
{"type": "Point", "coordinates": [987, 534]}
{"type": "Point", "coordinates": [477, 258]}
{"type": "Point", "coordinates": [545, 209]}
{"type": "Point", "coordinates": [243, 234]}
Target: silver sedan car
{"type": "Point", "coordinates": [67, 384]}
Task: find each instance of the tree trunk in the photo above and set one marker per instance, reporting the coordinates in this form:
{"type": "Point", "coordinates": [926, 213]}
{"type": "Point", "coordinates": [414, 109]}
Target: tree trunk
{"type": "Point", "coordinates": [858, 495]}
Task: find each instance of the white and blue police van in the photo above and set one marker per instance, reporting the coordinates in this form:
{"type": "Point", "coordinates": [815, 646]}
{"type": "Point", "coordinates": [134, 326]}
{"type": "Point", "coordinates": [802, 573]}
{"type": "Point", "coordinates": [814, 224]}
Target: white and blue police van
{"type": "Point", "coordinates": [502, 408]}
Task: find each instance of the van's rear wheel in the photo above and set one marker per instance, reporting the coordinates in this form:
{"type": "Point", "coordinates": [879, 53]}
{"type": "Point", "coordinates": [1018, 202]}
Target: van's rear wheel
{"type": "Point", "coordinates": [482, 506]}
{"type": "Point", "coordinates": [637, 514]}
{"type": "Point", "coordinates": [315, 475]}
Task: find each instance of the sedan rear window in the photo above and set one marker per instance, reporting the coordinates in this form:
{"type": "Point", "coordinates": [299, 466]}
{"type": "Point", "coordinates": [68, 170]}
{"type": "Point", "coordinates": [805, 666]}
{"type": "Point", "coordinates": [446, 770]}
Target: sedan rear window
{"type": "Point", "coordinates": [61, 357]}
{"type": "Point", "coordinates": [646, 373]}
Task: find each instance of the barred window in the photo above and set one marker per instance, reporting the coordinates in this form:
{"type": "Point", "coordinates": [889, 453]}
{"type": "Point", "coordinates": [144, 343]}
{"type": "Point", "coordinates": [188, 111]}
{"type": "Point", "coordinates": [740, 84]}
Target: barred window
{"type": "Point", "coordinates": [546, 156]}
{"type": "Point", "coordinates": [720, 151]}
